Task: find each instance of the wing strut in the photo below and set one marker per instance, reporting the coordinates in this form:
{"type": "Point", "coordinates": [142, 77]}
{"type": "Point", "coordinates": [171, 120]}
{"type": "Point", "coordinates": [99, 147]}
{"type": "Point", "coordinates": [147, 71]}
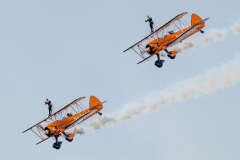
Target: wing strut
{"type": "Point", "coordinates": [75, 111]}
{"type": "Point", "coordinates": [138, 53]}
{"type": "Point", "coordinates": [36, 134]}
{"type": "Point", "coordinates": [39, 132]}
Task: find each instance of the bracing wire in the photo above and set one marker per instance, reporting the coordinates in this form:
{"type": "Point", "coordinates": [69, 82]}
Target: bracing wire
{"type": "Point", "coordinates": [185, 21]}
{"type": "Point", "coordinates": [83, 105]}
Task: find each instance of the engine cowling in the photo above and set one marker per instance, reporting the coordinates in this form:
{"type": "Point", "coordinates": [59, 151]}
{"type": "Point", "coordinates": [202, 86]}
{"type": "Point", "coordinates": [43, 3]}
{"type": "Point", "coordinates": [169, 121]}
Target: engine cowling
{"type": "Point", "coordinates": [49, 131]}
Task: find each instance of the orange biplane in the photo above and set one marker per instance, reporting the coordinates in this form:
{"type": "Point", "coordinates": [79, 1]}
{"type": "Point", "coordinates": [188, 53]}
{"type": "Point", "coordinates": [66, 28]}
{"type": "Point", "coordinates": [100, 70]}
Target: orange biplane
{"type": "Point", "coordinates": [165, 37]}
{"type": "Point", "coordinates": [62, 120]}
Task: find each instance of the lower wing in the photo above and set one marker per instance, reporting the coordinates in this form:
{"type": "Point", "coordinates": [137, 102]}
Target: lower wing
{"type": "Point", "coordinates": [146, 59]}
{"type": "Point", "coordinates": [43, 140]}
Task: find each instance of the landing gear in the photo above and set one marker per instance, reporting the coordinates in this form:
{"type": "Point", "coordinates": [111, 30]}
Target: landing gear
{"type": "Point", "coordinates": [159, 63]}
{"type": "Point", "coordinates": [171, 57]}
{"type": "Point", "coordinates": [169, 54]}
{"type": "Point", "coordinates": [100, 113]}
{"type": "Point", "coordinates": [67, 137]}
{"type": "Point", "coordinates": [202, 31]}
{"type": "Point", "coordinates": [69, 140]}
{"type": "Point", "coordinates": [57, 145]}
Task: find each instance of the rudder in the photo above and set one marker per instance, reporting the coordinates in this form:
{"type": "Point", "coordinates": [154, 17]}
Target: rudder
{"type": "Point", "coordinates": [94, 101]}
{"type": "Point", "coordinates": [195, 19]}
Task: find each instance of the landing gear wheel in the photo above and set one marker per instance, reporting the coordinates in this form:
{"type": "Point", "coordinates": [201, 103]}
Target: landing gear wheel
{"type": "Point", "coordinates": [171, 57]}
{"type": "Point", "coordinates": [57, 145]}
{"type": "Point", "coordinates": [158, 63]}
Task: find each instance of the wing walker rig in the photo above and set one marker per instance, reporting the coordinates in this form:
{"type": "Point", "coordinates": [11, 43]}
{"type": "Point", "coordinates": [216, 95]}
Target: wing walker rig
{"type": "Point", "coordinates": [165, 37]}
{"type": "Point", "coordinates": [64, 119]}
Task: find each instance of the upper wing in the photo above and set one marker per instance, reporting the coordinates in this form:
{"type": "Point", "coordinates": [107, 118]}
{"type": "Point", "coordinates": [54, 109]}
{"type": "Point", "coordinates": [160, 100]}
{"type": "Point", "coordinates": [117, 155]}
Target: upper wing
{"type": "Point", "coordinates": [158, 30]}
{"type": "Point", "coordinates": [186, 33]}
{"type": "Point", "coordinates": [59, 111]}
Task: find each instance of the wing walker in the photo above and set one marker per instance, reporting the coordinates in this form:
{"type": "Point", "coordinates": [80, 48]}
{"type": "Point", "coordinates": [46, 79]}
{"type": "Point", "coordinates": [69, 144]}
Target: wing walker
{"type": "Point", "coordinates": [64, 119]}
{"type": "Point", "coordinates": [167, 36]}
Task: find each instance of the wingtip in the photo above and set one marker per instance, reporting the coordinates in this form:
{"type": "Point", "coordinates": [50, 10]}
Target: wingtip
{"type": "Point", "coordinates": [25, 131]}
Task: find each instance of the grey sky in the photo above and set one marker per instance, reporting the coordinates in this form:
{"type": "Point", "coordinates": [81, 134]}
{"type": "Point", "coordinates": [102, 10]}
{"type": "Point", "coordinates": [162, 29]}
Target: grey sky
{"type": "Point", "coordinates": [63, 50]}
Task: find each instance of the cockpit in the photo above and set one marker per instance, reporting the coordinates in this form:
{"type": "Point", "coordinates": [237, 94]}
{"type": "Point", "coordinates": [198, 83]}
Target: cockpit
{"type": "Point", "coordinates": [69, 114]}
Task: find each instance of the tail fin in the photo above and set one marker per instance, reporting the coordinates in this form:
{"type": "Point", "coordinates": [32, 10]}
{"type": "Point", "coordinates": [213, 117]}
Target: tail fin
{"type": "Point", "coordinates": [195, 19]}
{"type": "Point", "coordinates": [95, 103]}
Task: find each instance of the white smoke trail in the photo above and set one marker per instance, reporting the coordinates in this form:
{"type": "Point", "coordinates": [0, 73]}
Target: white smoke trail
{"type": "Point", "coordinates": [206, 39]}
{"type": "Point", "coordinates": [236, 28]}
{"type": "Point", "coordinates": [225, 75]}
{"type": "Point", "coordinates": [101, 122]}
{"type": "Point", "coordinates": [184, 46]}
{"type": "Point", "coordinates": [131, 110]}
{"type": "Point", "coordinates": [162, 54]}
{"type": "Point", "coordinates": [79, 130]}
{"type": "Point", "coordinates": [221, 77]}
{"type": "Point", "coordinates": [214, 35]}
